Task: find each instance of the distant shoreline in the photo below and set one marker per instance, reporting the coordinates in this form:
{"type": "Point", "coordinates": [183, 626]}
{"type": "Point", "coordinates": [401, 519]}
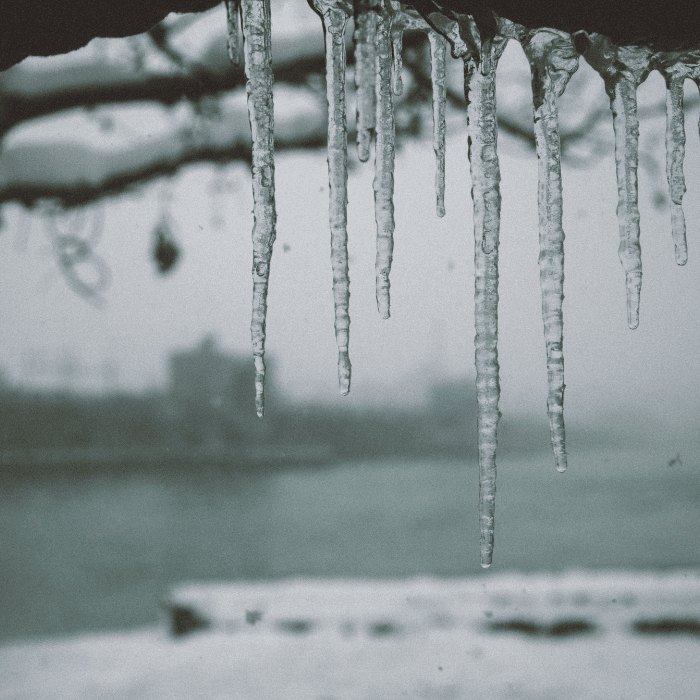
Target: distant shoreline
{"type": "Point", "coordinates": [54, 459]}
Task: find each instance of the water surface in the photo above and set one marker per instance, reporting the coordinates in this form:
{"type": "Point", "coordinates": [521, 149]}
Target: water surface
{"type": "Point", "coordinates": [93, 551]}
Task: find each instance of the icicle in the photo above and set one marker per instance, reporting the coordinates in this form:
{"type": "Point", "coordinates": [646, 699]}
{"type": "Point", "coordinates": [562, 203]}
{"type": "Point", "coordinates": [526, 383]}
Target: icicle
{"type": "Point", "coordinates": [397, 47]}
{"type": "Point", "coordinates": [438, 47]}
{"type": "Point", "coordinates": [626, 125]}
{"type": "Point", "coordinates": [235, 38]}
{"type": "Point", "coordinates": [676, 67]}
{"type": "Point", "coordinates": [408, 19]}
{"type": "Point", "coordinates": [384, 165]}
{"type": "Point", "coordinates": [675, 71]}
{"type": "Point", "coordinates": [553, 60]}
{"type": "Point", "coordinates": [623, 70]}
{"type": "Point", "coordinates": [365, 71]}
{"type": "Point", "coordinates": [675, 152]}
{"type": "Point", "coordinates": [334, 21]}
{"type": "Point", "coordinates": [482, 125]}
{"type": "Point", "coordinates": [258, 68]}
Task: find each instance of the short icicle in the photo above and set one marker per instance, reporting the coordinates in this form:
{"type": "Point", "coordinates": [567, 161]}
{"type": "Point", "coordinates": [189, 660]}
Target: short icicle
{"type": "Point", "coordinates": [623, 70]}
{"type": "Point", "coordinates": [626, 126]}
{"type": "Point", "coordinates": [553, 60]}
{"type": "Point", "coordinates": [438, 47]}
{"type": "Point", "coordinates": [675, 72]}
{"type": "Point", "coordinates": [334, 21]}
{"type": "Point", "coordinates": [365, 38]}
{"type": "Point", "coordinates": [258, 68]}
{"type": "Point", "coordinates": [482, 126]}
{"type": "Point", "coordinates": [676, 67]}
{"type": "Point", "coordinates": [397, 48]}
{"type": "Point", "coordinates": [235, 37]}
{"type": "Point", "coordinates": [384, 165]}
{"type": "Point", "coordinates": [675, 153]}
{"type": "Point", "coordinates": [691, 61]}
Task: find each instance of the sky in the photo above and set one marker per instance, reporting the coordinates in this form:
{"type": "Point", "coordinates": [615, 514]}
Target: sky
{"type": "Point", "coordinates": [647, 379]}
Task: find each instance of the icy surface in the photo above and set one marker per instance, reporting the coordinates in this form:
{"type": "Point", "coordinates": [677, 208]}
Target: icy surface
{"type": "Point", "coordinates": [334, 21]}
{"type": "Point", "coordinates": [384, 164]}
{"type": "Point", "coordinates": [553, 60]}
{"type": "Point", "coordinates": [482, 125]}
{"type": "Point", "coordinates": [235, 37]}
{"type": "Point", "coordinates": [623, 69]}
{"type": "Point", "coordinates": [365, 72]}
{"type": "Point", "coordinates": [438, 47]}
{"type": "Point", "coordinates": [256, 31]}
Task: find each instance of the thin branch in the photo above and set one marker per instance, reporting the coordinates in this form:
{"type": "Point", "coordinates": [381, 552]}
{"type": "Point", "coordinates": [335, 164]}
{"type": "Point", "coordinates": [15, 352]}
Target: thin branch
{"type": "Point", "coordinates": [197, 83]}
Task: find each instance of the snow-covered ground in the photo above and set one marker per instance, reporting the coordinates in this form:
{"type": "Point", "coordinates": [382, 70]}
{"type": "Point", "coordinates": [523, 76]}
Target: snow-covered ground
{"type": "Point", "coordinates": [607, 635]}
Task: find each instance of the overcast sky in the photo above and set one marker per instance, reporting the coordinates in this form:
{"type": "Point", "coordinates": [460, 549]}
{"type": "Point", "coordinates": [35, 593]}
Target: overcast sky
{"type": "Point", "coordinates": [650, 375]}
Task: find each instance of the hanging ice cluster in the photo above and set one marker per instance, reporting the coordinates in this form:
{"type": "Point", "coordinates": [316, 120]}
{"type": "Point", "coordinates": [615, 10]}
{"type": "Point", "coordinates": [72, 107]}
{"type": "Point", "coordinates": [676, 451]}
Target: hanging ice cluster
{"type": "Point", "coordinates": [553, 57]}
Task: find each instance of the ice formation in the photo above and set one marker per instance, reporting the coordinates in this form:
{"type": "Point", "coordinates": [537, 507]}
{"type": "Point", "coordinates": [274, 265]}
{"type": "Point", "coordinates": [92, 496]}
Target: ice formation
{"type": "Point", "coordinates": [553, 55]}
{"type": "Point", "coordinates": [675, 70]}
{"type": "Point", "coordinates": [438, 47]}
{"type": "Point", "coordinates": [384, 164]}
{"type": "Point", "coordinates": [235, 45]}
{"type": "Point", "coordinates": [482, 126]}
{"type": "Point", "coordinates": [554, 60]}
{"type": "Point", "coordinates": [365, 72]}
{"type": "Point", "coordinates": [256, 19]}
{"type": "Point", "coordinates": [334, 21]}
{"type": "Point", "coordinates": [623, 69]}
{"type": "Point", "coordinates": [397, 47]}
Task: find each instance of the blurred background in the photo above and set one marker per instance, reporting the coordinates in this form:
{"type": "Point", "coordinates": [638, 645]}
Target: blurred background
{"type": "Point", "coordinates": [130, 455]}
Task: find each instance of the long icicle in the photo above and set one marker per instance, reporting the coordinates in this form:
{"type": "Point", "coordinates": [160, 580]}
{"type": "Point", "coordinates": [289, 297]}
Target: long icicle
{"type": "Point", "coordinates": [623, 69]}
{"type": "Point", "coordinates": [365, 37]}
{"type": "Point", "coordinates": [334, 21]}
{"type": "Point", "coordinates": [675, 153]}
{"type": "Point", "coordinates": [438, 47]}
{"type": "Point", "coordinates": [553, 60]}
{"type": "Point", "coordinates": [384, 164]}
{"type": "Point", "coordinates": [482, 126]}
{"type": "Point", "coordinates": [258, 68]}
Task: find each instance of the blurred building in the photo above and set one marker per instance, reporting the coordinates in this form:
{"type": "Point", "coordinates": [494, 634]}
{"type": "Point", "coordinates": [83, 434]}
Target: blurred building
{"type": "Point", "coordinates": [212, 395]}
{"type": "Point", "coordinates": [452, 414]}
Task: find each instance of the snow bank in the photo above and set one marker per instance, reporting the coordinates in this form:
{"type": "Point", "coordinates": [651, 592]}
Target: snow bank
{"type": "Point", "coordinates": [487, 637]}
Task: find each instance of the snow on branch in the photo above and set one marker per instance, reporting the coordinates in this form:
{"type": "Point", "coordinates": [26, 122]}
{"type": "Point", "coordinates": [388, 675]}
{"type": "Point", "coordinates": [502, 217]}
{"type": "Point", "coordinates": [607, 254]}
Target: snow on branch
{"type": "Point", "coordinates": [77, 172]}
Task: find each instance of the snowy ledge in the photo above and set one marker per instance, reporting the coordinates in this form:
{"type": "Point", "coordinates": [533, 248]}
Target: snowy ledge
{"type": "Point", "coordinates": [428, 639]}
{"type": "Point", "coordinates": [537, 604]}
